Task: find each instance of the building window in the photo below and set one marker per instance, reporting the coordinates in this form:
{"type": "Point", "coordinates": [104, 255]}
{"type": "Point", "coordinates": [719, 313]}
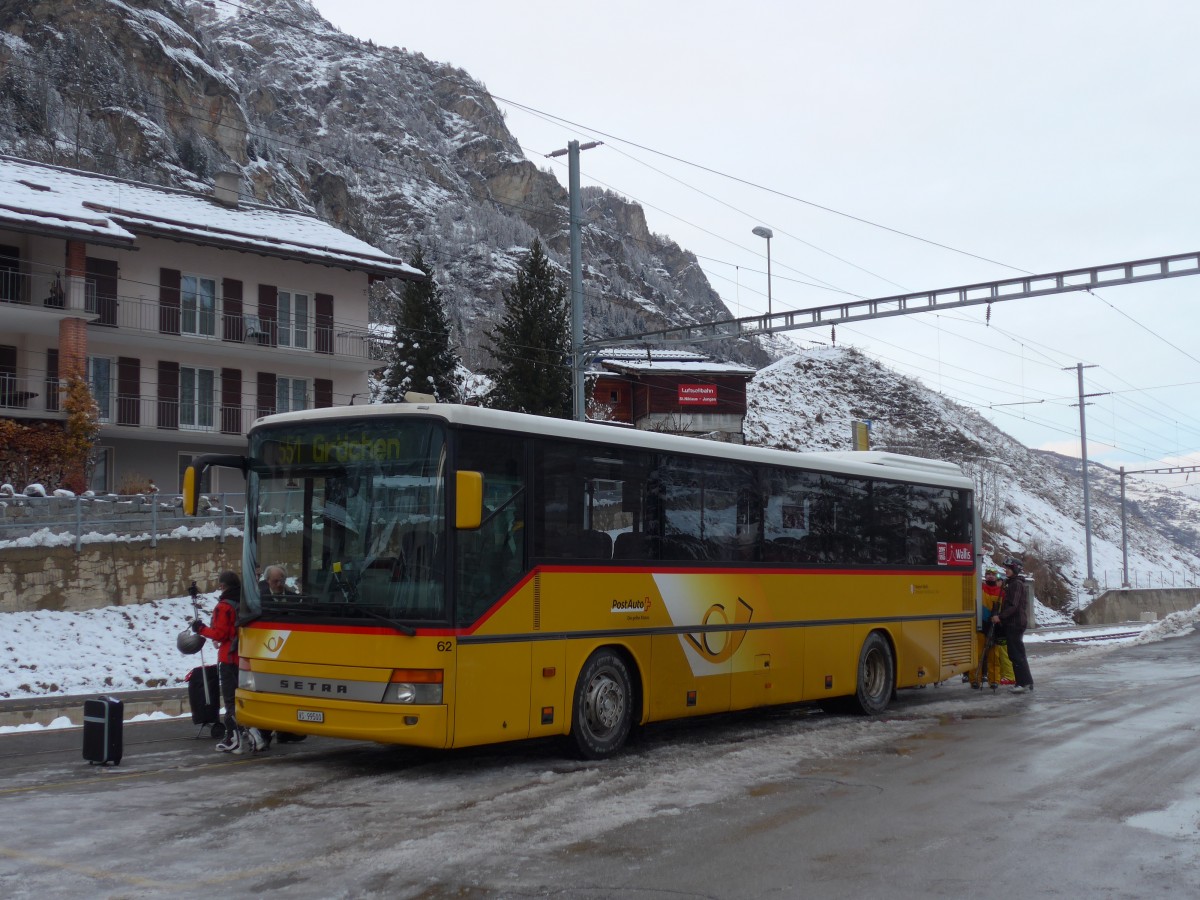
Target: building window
{"type": "Point", "coordinates": [100, 379]}
{"type": "Point", "coordinates": [101, 464]}
{"type": "Point", "coordinates": [291, 394]}
{"type": "Point", "coordinates": [196, 398]}
{"type": "Point", "coordinates": [295, 320]}
{"type": "Point", "coordinates": [198, 305]}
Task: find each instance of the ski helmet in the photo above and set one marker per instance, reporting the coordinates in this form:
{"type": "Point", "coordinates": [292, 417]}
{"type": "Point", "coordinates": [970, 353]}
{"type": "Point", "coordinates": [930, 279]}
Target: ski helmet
{"type": "Point", "coordinates": [189, 642]}
{"type": "Point", "coordinates": [1011, 562]}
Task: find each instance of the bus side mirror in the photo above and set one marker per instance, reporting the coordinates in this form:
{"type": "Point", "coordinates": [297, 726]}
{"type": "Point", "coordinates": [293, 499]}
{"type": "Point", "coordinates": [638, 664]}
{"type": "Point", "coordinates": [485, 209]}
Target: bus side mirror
{"type": "Point", "coordinates": [191, 496]}
{"type": "Point", "coordinates": [193, 475]}
{"type": "Point", "coordinates": [468, 512]}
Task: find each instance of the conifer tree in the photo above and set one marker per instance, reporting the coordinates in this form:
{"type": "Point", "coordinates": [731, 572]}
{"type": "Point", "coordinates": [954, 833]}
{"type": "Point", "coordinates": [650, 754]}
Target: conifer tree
{"type": "Point", "coordinates": [532, 343]}
{"type": "Point", "coordinates": [421, 358]}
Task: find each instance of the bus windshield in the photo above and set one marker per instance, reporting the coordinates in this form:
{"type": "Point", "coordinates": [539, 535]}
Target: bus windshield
{"type": "Point", "coordinates": [354, 514]}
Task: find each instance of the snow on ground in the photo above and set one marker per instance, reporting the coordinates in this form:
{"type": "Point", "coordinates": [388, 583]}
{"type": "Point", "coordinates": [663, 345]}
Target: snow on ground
{"type": "Point", "coordinates": [46, 537]}
{"type": "Point", "coordinates": [117, 648]}
{"type": "Point", "coordinates": [130, 648]}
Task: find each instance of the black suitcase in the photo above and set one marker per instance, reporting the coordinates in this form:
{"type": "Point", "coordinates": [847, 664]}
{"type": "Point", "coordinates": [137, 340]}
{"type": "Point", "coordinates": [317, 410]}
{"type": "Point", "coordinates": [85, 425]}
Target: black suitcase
{"type": "Point", "coordinates": [204, 696]}
{"type": "Point", "coordinates": [102, 722]}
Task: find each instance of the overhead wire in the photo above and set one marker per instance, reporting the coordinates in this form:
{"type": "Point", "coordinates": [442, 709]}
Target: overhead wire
{"type": "Point", "coordinates": [401, 62]}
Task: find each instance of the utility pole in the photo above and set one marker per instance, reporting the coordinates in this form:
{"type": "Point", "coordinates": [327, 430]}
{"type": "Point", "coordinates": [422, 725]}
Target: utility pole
{"type": "Point", "coordinates": [578, 402]}
{"type": "Point", "coordinates": [1090, 583]}
{"type": "Point", "coordinates": [1169, 470]}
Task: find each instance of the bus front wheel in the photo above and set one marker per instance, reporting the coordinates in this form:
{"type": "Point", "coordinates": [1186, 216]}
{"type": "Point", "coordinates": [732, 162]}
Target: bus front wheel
{"type": "Point", "coordinates": [876, 675]}
{"type": "Point", "coordinates": [603, 711]}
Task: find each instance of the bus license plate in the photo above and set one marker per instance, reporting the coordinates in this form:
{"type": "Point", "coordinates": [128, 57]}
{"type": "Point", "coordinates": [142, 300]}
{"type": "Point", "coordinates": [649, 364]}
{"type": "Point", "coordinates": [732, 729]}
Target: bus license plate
{"type": "Point", "coordinates": [304, 715]}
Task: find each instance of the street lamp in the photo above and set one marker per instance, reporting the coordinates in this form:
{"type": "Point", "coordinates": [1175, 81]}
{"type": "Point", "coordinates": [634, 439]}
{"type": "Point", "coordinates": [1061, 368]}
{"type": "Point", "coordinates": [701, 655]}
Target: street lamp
{"type": "Point", "coordinates": [764, 232]}
{"type": "Point", "coordinates": [578, 402]}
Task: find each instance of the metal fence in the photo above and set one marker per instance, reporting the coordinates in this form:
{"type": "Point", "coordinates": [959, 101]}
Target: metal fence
{"type": "Point", "coordinates": [1113, 580]}
{"type": "Point", "coordinates": [32, 521]}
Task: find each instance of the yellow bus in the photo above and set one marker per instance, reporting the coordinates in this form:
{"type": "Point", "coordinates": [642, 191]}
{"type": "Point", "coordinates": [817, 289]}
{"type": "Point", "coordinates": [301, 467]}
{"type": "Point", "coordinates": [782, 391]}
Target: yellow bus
{"type": "Point", "coordinates": [464, 576]}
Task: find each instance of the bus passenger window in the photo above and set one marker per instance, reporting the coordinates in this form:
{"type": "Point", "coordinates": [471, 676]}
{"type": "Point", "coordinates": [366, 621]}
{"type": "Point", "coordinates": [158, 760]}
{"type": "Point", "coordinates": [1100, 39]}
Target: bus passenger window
{"type": "Point", "coordinates": [585, 499]}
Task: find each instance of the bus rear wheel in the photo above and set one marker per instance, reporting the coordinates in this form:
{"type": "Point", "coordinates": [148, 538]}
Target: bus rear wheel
{"type": "Point", "coordinates": [603, 711]}
{"type": "Point", "coordinates": [876, 676]}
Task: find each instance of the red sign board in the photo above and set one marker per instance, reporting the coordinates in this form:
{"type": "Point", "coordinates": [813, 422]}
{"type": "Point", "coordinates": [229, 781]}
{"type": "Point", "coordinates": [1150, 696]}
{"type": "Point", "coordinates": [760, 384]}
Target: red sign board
{"type": "Point", "coordinates": [955, 554]}
{"type": "Point", "coordinates": [691, 394]}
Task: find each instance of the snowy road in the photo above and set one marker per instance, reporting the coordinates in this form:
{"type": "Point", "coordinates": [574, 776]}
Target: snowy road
{"type": "Point", "coordinates": [1089, 788]}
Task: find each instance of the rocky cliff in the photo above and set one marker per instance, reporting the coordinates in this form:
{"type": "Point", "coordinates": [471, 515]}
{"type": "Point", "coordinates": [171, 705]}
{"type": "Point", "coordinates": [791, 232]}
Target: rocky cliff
{"type": "Point", "coordinates": [394, 147]}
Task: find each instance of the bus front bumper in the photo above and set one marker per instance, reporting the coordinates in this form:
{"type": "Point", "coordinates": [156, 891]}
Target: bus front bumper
{"type": "Point", "coordinates": [386, 723]}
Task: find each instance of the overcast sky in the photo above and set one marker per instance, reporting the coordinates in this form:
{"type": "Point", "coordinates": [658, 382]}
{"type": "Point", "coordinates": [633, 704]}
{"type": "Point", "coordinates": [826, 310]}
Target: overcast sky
{"type": "Point", "coordinates": [1039, 136]}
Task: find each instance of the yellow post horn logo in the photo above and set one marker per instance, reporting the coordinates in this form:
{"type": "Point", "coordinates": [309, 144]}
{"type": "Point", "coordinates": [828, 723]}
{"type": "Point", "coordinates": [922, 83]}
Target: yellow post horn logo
{"type": "Point", "coordinates": [707, 645]}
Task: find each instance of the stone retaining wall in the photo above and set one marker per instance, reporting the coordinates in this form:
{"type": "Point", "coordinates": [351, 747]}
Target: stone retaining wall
{"type": "Point", "coordinates": [1128, 605]}
{"type": "Point", "coordinates": [111, 573]}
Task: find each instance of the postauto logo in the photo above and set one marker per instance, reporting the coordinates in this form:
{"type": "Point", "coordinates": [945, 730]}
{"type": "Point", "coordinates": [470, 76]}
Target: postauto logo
{"type": "Point", "coordinates": [628, 606]}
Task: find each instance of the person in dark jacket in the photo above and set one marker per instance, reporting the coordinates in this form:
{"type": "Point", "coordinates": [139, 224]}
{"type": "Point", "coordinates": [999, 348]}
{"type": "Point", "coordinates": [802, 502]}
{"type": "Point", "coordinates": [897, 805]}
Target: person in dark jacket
{"type": "Point", "coordinates": [1014, 619]}
{"type": "Point", "coordinates": [223, 633]}
{"type": "Point", "coordinates": [274, 583]}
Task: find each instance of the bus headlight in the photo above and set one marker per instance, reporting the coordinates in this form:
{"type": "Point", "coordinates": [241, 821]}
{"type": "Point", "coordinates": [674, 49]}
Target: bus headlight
{"type": "Point", "coordinates": [415, 686]}
{"type": "Point", "coordinates": [245, 676]}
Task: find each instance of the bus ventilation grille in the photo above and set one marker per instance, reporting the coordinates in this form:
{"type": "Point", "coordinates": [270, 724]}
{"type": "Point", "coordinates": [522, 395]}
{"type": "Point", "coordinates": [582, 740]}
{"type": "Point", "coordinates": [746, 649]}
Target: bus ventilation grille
{"type": "Point", "coordinates": [957, 638]}
{"type": "Point", "coordinates": [537, 602]}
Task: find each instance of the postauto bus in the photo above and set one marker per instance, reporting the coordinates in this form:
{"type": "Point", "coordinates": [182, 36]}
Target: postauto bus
{"type": "Point", "coordinates": [462, 576]}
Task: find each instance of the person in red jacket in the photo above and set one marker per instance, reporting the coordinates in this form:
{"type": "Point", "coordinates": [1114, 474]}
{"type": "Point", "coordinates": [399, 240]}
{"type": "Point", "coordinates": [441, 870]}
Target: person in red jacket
{"type": "Point", "coordinates": [223, 633]}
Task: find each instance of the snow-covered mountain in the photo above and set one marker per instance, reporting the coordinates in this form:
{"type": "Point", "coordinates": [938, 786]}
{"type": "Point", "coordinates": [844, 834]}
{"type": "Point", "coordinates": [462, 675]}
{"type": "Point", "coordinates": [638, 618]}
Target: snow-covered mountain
{"type": "Point", "coordinates": [1031, 502]}
{"type": "Point", "coordinates": [400, 150]}
{"type": "Point", "coordinates": [394, 147]}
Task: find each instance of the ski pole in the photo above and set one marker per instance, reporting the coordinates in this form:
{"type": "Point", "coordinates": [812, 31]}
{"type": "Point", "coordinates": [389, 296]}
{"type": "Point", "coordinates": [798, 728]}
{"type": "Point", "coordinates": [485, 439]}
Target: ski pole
{"type": "Point", "coordinates": [195, 592]}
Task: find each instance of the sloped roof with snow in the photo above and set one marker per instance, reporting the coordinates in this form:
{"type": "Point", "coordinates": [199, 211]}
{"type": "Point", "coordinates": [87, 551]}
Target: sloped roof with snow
{"type": "Point", "coordinates": [631, 361]}
{"type": "Point", "coordinates": [45, 199]}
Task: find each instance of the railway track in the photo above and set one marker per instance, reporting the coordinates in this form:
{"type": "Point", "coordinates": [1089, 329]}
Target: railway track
{"type": "Point", "coordinates": [1088, 638]}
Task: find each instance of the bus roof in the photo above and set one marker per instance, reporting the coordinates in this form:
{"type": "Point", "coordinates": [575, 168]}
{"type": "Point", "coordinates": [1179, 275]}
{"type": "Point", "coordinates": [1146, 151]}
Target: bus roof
{"type": "Point", "coordinates": [862, 463]}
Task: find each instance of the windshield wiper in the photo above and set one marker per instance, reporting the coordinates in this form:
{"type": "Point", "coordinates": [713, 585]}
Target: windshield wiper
{"type": "Point", "coordinates": [399, 626]}
{"type": "Point", "coordinates": [337, 609]}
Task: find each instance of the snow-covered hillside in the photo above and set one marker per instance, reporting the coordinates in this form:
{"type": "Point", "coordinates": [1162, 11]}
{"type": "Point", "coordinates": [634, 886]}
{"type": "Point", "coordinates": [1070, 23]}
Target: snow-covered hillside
{"type": "Point", "coordinates": [1031, 502]}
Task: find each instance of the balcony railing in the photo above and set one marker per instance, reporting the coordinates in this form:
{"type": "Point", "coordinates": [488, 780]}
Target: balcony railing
{"type": "Point", "coordinates": [47, 290]}
{"type": "Point", "coordinates": [313, 335]}
{"type": "Point", "coordinates": [173, 415]}
{"type": "Point", "coordinates": [15, 391]}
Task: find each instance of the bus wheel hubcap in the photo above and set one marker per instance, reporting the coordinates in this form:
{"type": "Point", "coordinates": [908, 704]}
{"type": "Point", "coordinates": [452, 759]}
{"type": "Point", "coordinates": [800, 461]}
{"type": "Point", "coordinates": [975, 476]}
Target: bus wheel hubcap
{"type": "Point", "coordinates": [604, 703]}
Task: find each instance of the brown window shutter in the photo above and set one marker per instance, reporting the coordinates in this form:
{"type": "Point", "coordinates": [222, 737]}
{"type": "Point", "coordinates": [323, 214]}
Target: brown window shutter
{"type": "Point", "coordinates": [168, 394]}
{"type": "Point", "coordinates": [168, 300]}
{"type": "Point", "coordinates": [268, 314]}
{"type": "Point", "coordinates": [231, 401]}
{"type": "Point", "coordinates": [266, 393]}
{"type": "Point", "coordinates": [102, 277]}
{"type": "Point", "coordinates": [322, 393]}
{"type": "Point", "coordinates": [233, 326]}
{"type": "Point", "coordinates": [324, 323]}
{"type": "Point", "coordinates": [129, 390]}
{"type": "Point", "coordinates": [52, 380]}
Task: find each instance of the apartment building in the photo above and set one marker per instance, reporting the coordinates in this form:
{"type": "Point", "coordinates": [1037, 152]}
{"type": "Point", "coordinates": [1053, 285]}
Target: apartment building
{"type": "Point", "coordinates": [190, 315]}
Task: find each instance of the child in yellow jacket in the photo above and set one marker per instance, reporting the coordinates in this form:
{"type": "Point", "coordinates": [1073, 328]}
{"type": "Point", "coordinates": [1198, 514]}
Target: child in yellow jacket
{"type": "Point", "coordinates": [999, 667]}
